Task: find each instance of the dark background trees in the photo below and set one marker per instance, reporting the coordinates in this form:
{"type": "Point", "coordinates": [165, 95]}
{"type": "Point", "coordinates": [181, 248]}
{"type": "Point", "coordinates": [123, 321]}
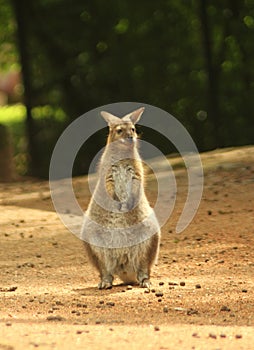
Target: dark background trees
{"type": "Point", "coordinates": [191, 58]}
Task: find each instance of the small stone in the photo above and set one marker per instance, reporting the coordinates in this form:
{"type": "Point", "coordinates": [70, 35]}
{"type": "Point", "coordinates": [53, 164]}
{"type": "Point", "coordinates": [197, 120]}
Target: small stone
{"type": "Point", "coordinates": [147, 290]}
{"type": "Point", "coordinates": [156, 328]}
{"type": "Point", "coordinates": [209, 212]}
{"type": "Point", "coordinates": [8, 324]}
{"type": "Point", "coordinates": [244, 291]}
{"type": "Point", "coordinates": [198, 286]}
{"type": "Point", "coordinates": [195, 335]}
{"type": "Point", "coordinates": [129, 287]}
{"type": "Point", "coordinates": [159, 294]}
{"type": "Point", "coordinates": [79, 332]}
{"type": "Point", "coordinates": [110, 303]}
{"type": "Point", "coordinates": [172, 284]}
{"type": "Point", "coordinates": [238, 336]}
{"type": "Point", "coordinates": [161, 283]}
{"type": "Point", "coordinates": [153, 290]}
{"type": "Point", "coordinates": [212, 335]}
{"type": "Point", "coordinates": [225, 308]}
{"type": "Point", "coordinates": [101, 302]}
{"type": "Point", "coordinates": [165, 309]}
{"type": "Point", "coordinates": [223, 335]}
{"type": "Point", "coordinates": [192, 312]}
{"type": "Point", "coordinates": [55, 318]}
{"type": "Point", "coordinates": [182, 284]}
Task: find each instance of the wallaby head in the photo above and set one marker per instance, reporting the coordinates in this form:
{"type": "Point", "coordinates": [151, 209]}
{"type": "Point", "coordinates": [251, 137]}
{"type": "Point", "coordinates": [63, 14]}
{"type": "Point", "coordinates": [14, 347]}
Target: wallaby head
{"type": "Point", "coordinates": [123, 129]}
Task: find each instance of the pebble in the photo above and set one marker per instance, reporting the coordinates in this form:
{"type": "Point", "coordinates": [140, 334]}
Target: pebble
{"type": "Point", "coordinates": [192, 312]}
{"type": "Point", "coordinates": [244, 291]}
{"type": "Point", "coordinates": [129, 287]}
{"type": "Point", "coordinates": [195, 335]}
{"type": "Point", "coordinates": [212, 335]}
{"type": "Point", "coordinates": [147, 290]}
{"type": "Point", "coordinates": [225, 308]}
{"type": "Point", "coordinates": [110, 303]}
{"type": "Point", "coordinates": [159, 294]}
{"type": "Point", "coordinates": [238, 336]}
{"type": "Point", "coordinates": [161, 283]}
{"type": "Point", "coordinates": [182, 284]}
{"type": "Point", "coordinates": [55, 318]}
{"type": "Point", "coordinates": [198, 286]}
{"type": "Point", "coordinates": [165, 309]}
{"type": "Point", "coordinates": [156, 328]}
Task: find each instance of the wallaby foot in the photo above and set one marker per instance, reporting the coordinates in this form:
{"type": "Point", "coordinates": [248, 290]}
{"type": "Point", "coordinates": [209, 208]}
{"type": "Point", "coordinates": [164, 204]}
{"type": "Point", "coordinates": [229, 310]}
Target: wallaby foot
{"type": "Point", "coordinates": [106, 282]}
{"type": "Point", "coordinates": [143, 279]}
{"type": "Point", "coordinates": [146, 283]}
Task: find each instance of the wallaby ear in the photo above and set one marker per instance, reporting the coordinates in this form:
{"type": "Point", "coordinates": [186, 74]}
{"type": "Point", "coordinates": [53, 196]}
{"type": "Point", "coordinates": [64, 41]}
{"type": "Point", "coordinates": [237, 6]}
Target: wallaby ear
{"type": "Point", "coordinates": [110, 118]}
{"type": "Point", "coordinates": [134, 116]}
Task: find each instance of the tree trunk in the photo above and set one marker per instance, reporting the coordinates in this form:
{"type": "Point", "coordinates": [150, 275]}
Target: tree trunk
{"type": "Point", "coordinates": [22, 19]}
{"type": "Point", "coordinates": [212, 73]}
{"type": "Point", "coordinates": [6, 155]}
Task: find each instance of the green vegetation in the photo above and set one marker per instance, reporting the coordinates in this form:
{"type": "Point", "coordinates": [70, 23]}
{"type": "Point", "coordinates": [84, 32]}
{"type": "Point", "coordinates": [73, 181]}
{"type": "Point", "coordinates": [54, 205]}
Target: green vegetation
{"type": "Point", "coordinates": [191, 58]}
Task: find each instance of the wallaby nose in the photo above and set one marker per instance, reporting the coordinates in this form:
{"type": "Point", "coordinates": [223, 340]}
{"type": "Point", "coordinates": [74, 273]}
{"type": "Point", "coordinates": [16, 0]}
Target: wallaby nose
{"type": "Point", "coordinates": [130, 138]}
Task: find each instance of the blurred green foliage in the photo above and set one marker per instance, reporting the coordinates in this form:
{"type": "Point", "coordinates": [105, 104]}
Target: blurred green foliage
{"type": "Point", "coordinates": [191, 58]}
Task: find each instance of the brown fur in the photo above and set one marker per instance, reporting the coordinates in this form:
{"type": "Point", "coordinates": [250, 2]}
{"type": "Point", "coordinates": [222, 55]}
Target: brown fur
{"type": "Point", "coordinates": [121, 178]}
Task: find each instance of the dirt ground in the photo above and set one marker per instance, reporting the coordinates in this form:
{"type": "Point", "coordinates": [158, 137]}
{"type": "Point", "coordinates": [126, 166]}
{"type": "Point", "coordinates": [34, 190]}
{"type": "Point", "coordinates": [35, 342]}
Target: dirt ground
{"type": "Point", "coordinates": [202, 296]}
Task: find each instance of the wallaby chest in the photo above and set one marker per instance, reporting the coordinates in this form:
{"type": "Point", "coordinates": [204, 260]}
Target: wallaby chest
{"type": "Point", "coordinates": [122, 177]}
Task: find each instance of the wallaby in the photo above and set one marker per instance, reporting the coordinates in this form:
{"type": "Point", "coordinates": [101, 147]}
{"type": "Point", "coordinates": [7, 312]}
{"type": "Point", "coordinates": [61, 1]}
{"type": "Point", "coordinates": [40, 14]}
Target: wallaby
{"type": "Point", "coordinates": [120, 230]}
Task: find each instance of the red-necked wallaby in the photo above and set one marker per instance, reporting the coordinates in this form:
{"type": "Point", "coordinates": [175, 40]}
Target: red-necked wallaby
{"type": "Point", "coordinates": [120, 230]}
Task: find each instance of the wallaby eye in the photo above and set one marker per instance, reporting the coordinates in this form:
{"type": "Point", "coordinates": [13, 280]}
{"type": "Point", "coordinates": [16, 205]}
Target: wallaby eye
{"type": "Point", "coordinates": [119, 131]}
{"type": "Point", "coordinates": [133, 129]}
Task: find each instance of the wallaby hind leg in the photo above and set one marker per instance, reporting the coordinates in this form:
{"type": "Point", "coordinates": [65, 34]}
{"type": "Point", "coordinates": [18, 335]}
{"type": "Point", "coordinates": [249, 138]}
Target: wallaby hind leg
{"type": "Point", "coordinates": [144, 269]}
{"type": "Point", "coordinates": [95, 256]}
